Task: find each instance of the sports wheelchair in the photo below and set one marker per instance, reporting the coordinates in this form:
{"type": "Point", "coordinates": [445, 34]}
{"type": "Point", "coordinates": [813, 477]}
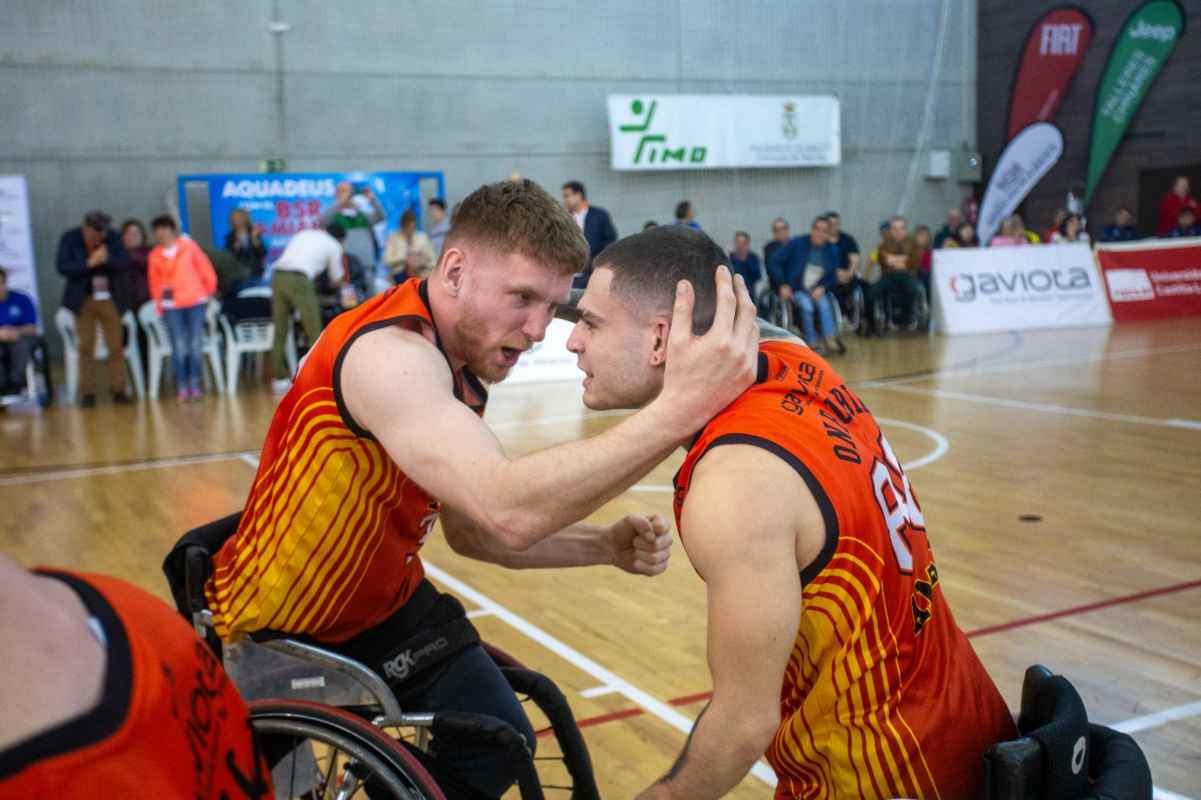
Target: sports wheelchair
{"type": "Point", "coordinates": [1061, 755]}
{"type": "Point", "coordinates": [889, 313]}
{"type": "Point", "coordinates": [335, 730]}
{"type": "Point", "coordinates": [39, 383]}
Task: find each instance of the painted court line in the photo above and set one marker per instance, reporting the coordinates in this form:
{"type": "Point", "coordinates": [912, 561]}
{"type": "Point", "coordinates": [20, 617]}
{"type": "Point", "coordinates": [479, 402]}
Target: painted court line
{"type": "Point", "coordinates": [645, 702]}
{"type": "Point", "coordinates": [1050, 408]}
{"type": "Point", "coordinates": [1164, 794]}
{"type": "Point", "coordinates": [1159, 718]}
{"type": "Point", "coordinates": [598, 691]}
{"type": "Point", "coordinates": [115, 469]}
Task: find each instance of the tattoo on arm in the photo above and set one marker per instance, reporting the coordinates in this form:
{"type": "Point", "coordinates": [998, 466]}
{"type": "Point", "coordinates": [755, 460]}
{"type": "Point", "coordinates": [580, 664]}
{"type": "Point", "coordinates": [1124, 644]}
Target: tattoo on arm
{"type": "Point", "coordinates": [679, 765]}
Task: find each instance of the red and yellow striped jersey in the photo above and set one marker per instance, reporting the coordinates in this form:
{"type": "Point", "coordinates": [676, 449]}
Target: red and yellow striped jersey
{"type": "Point", "coordinates": [328, 541]}
{"type": "Point", "coordinates": [883, 695]}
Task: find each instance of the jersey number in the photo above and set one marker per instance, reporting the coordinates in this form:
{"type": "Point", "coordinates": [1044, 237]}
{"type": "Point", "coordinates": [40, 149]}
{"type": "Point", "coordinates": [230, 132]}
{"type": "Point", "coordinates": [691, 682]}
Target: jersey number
{"type": "Point", "coordinates": [900, 508]}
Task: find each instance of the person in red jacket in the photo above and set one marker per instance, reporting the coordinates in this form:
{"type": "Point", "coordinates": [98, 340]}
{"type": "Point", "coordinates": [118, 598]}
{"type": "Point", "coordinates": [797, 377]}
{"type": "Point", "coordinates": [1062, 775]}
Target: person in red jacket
{"type": "Point", "coordinates": [107, 692]}
{"type": "Point", "coordinates": [1173, 203]}
{"type": "Point", "coordinates": [181, 280]}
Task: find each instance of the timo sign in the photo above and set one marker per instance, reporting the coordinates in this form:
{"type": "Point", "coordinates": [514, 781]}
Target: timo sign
{"type": "Point", "coordinates": [654, 147]}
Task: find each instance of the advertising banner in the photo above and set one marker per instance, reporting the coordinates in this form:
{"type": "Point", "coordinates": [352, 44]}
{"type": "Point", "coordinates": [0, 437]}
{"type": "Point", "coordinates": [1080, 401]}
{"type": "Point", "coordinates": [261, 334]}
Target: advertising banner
{"type": "Point", "coordinates": [284, 203]}
{"type": "Point", "coordinates": [1054, 49]}
{"type": "Point", "coordinates": [1155, 279]}
{"type": "Point", "coordinates": [16, 238]}
{"type": "Point", "coordinates": [1021, 166]}
{"type": "Point", "coordinates": [979, 290]}
{"type": "Point", "coordinates": [699, 131]}
{"type": "Point", "coordinates": [1143, 46]}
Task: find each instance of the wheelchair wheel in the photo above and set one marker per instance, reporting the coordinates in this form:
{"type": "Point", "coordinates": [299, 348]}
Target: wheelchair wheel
{"type": "Point", "coordinates": [320, 751]}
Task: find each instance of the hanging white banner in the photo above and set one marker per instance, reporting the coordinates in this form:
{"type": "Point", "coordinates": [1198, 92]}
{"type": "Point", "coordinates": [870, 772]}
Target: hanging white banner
{"type": "Point", "coordinates": [709, 131]}
{"type": "Point", "coordinates": [16, 237]}
{"type": "Point", "coordinates": [977, 290]}
{"type": "Point", "coordinates": [1026, 159]}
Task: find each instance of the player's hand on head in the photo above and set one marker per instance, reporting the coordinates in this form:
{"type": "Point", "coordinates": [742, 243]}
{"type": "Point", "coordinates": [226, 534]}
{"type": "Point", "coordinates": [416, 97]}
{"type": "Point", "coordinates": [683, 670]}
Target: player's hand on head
{"type": "Point", "coordinates": [641, 544]}
{"type": "Point", "coordinates": [706, 373]}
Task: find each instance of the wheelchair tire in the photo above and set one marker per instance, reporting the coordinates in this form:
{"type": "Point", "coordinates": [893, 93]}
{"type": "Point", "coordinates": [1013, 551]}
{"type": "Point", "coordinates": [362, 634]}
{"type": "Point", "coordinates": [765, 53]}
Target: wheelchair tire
{"type": "Point", "coordinates": [368, 753]}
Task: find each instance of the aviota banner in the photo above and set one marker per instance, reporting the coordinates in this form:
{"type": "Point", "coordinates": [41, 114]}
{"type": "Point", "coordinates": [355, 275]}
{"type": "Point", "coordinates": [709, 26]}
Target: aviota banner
{"type": "Point", "coordinates": [1143, 46]}
{"type": "Point", "coordinates": [1054, 49]}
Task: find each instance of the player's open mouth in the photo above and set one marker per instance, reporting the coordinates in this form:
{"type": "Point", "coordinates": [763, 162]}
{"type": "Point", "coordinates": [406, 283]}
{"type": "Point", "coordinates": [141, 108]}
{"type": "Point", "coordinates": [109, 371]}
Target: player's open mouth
{"type": "Point", "coordinates": [510, 355]}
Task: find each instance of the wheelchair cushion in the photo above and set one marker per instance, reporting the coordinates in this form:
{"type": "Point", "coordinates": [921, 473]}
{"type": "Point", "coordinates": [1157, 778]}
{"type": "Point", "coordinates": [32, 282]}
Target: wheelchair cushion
{"type": "Point", "coordinates": [1119, 769]}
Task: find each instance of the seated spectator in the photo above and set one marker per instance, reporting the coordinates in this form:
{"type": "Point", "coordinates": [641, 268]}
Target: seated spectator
{"type": "Point", "coordinates": [1031, 236]}
{"type": "Point", "coordinates": [947, 231]}
{"type": "Point", "coordinates": [925, 255]}
{"type": "Point", "coordinates": [409, 252]}
{"type": "Point", "coordinates": [309, 253]}
{"type": "Point", "coordinates": [805, 270]}
{"type": "Point", "coordinates": [1071, 229]}
{"type": "Point", "coordinates": [92, 259]}
{"type": "Point", "coordinates": [1186, 224]}
{"type": "Point", "coordinates": [965, 236]}
{"type": "Point", "coordinates": [873, 271]}
{"type": "Point", "coordinates": [1013, 233]}
{"type": "Point", "coordinates": [356, 210]}
{"type": "Point", "coordinates": [245, 242]}
{"type": "Point", "coordinates": [848, 264]}
{"type": "Point", "coordinates": [781, 234]}
{"type": "Point", "coordinates": [650, 223]}
{"type": "Point", "coordinates": [686, 215]}
{"type": "Point", "coordinates": [1060, 215]}
{"type": "Point", "coordinates": [745, 263]}
{"type": "Point", "coordinates": [1122, 229]}
{"type": "Point", "coordinates": [1173, 203]}
{"type": "Point", "coordinates": [439, 224]}
{"type": "Point", "coordinates": [18, 332]}
{"type": "Point", "coordinates": [133, 238]}
{"type": "Point", "coordinates": [181, 281]}
{"type": "Point", "coordinates": [899, 265]}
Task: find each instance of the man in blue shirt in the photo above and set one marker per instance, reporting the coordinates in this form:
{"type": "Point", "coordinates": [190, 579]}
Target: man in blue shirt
{"type": "Point", "coordinates": [686, 215]}
{"type": "Point", "coordinates": [745, 263]}
{"type": "Point", "coordinates": [1186, 225]}
{"type": "Point", "coordinates": [806, 272]}
{"type": "Point", "coordinates": [1122, 229]}
{"type": "Point", "coordinates": [18, 327]}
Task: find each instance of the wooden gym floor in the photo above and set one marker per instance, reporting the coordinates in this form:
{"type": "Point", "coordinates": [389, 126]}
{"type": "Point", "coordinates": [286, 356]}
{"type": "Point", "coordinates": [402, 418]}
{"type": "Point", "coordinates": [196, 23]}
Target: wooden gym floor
{"type": "Point", "coordinates": [1060, 474]}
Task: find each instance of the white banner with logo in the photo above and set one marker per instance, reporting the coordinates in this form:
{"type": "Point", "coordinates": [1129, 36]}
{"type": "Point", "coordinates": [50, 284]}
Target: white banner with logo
{"type": "Point", "coordinates": [1014, 288]}
{"type": "Point", "coordinates": [1021, 166]}
{"type": "Point", "coordinates": [709, 131]}
{"type": "Point", "coordinates": [547, 360]}
{"type": "Point", "coordinates": [16, 237]}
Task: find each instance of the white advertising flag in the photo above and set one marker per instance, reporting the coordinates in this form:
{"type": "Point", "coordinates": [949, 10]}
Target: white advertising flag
{"type": "Point", "coordinates": [1025, 160]}
{"type": "Point", "coordinates": [705, 131]}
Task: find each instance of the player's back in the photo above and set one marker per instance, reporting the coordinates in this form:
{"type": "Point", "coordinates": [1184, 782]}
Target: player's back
{"type": "Point", "coordinates": [883, 695]}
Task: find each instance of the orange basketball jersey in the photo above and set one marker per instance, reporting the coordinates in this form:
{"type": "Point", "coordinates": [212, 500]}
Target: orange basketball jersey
{"type": "Point", "coordinates": [328, 541]}
{"type": "Point", "coordinates": [169, 723]}
{"type": "Point", "coordinates": [883, 695]}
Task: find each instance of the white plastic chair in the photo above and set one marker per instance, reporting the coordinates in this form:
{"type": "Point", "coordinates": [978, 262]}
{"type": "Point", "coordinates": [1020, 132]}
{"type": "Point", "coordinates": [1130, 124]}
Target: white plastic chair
{"type": "Point", "coordinates": [251, 337]}
{"type": "Point", "coordinates": [158, 340]}
{"type": "Point", "coordinates": [64, 320]}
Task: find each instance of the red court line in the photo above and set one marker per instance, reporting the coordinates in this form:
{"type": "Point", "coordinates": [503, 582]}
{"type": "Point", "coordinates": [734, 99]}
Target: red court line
{"type": "Point", "coordinates": [1004, 626]}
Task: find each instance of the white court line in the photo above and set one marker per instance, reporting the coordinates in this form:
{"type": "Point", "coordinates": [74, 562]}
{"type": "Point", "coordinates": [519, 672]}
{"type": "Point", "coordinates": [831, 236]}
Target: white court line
{"type": "Point", "coordinates": [1050, 408]}
{"type": "Point", "coordinates": [577, 659]}
{"type": "Point", "coordinates": [1164, 794]}
{"type": "Point", "coordinates": [1025, 365]}
{"type": "Point", "coordinates": [1158, 718]}
{"type": "Point", "coordinates": [476, 613]}
{"type": "Point", "coordinates": [114, 469]}
{"type": "Point", "coordinates": [598, 691]}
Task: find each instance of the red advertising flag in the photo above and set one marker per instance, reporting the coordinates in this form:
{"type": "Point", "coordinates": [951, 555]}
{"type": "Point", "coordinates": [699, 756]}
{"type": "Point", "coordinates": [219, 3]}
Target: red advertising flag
{"type": "Point", "coordinates": [1054, 49]}
{"type": "Point", "coordinates": [1153, 279]}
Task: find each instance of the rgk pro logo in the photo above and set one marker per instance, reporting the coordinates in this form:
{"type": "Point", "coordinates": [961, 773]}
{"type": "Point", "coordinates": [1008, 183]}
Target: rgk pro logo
{"type": "Point", "coordinates": [1060, 40]}
{"type": "Point", "coordinates": [398, 668]}
{"type": "Point", "coordinates": [966, 287]}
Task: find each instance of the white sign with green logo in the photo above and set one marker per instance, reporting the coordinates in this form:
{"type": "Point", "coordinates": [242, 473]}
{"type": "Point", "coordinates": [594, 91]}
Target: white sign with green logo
{"type": "Point", "coordinates": [713, 131]}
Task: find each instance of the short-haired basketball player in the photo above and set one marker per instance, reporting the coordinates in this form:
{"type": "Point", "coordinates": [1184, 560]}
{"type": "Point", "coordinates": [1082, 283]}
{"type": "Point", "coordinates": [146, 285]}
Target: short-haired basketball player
{"type": "Point", "coordinates": [831, 646]}
{"type": "Point", "coordinates": [382, 434]}
{"type": "Point", "coordinates": [105, 691]}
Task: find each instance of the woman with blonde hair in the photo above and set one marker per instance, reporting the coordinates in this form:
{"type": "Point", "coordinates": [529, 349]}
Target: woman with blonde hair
{"type": "Point", "coordinates": [245, 241]}
{"type": "Point", "coordinates": [409, 253]}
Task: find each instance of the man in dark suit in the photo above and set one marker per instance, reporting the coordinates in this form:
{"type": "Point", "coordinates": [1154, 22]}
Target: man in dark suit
{"type": "Point", "coordinates": [593, 220]}
{"type": "Point", "coordinates": [98, 291]}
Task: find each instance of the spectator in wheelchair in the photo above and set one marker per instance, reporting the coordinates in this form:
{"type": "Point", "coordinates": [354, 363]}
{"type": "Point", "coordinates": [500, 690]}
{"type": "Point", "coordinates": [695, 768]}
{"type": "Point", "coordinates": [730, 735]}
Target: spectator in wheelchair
{"type": "Point", "coordinates": [18, 333]}
{"type": "Point", "coordinates": [107, 692]}
{"type": "Point", "coordinates": [850, 282]}
{"type": "Point", "coordinates": [900, 263]}
{"type": "Point", "coordinates": [744, 262]}
{"type": "Point", "coordinates": [381, 436]}
{"type": "Point", "coordinates": [806, 575]}
{"type": "Point", "coordinates": [924, 246]}
{"type": "Point", "coordinates": [805, 270]}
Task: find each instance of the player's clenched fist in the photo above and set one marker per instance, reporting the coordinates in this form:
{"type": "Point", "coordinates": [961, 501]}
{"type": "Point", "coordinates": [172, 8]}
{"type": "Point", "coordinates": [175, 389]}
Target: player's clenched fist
{"type": "Point", "coordinates": [640, 544]}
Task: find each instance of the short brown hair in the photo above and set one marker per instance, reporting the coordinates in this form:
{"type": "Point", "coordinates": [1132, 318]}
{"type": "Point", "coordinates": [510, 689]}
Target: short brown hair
{"type": "Point", "coordinates": [518, 216]}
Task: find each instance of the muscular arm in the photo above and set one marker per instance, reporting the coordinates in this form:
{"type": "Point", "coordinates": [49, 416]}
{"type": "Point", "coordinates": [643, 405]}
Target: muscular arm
{"type": "Point", "coordinates": [744, 544]}
{"type": "Point", "coordinates": [398, 387]}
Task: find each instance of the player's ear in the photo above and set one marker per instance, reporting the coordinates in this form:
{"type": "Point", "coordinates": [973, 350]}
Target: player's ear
{"type": "Point", "coordinates": [450, 270]}
{"type": "Point", "coordinates": [660, 329]}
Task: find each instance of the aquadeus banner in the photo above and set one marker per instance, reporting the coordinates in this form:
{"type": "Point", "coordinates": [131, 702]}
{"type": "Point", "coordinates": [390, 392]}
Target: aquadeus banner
{"type": "Point", "coordinates": [1141, 49]}
{"type": "Point", "coordinates": [980, 290]}
{"type": "Point", "coordinates": [1021, 166]}
{"type": "Point", "coordinates": [1054, 49]}
{"type": "Point", "coordinates": [698, 131]}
